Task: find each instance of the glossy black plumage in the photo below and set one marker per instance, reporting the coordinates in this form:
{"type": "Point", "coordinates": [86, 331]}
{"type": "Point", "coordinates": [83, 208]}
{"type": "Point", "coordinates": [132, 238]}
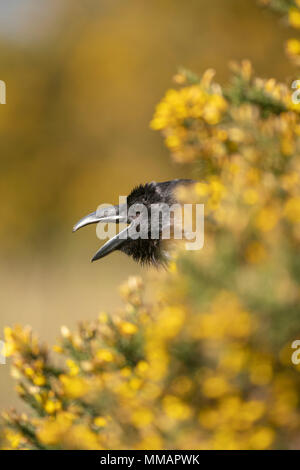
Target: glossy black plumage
{"type": "Point", "coordinates": [144, 251]}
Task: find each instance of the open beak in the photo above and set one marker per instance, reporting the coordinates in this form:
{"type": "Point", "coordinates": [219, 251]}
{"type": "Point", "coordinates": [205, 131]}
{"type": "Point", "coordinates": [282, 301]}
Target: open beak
{"type": "Point", "coordinates": [111, 245]}
{"type": "Point", "coordinates": [114, 214]}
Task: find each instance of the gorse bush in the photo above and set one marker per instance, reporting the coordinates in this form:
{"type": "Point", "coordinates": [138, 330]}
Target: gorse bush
{"type": "Point", "coordinates": [207, 365]}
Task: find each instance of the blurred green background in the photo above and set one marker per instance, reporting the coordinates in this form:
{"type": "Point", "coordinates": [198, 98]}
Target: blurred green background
{"type": "Point", "coordinates": [83, 79]}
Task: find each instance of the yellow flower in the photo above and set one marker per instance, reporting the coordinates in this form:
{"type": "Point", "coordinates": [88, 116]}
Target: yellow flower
{"type": "Point", "coordinates": [128, 328]}
{"type": "Point", "coordinates": [202, 189]}
{"type": "Point", "coordinates": [262, 438]}
{"type": "Point", "coordinates": [14, 438]}
{"type": "Point", "coordinates": [215, 386]}
{"type": "Point", "coordinates": [74, 369]}
{"type": "Point", "coordinates": [261, 371]}
{"type": "Point", "coordinates": [250, 196]}
{"type": "Point", "coordinates": [209, 418]}
{"type": "Point", "coordinates": [81, 437]}
{"type": "Point", "coordinates": [252, 410]}
{"type": "Point", "coordinates": [292, 210]}
{"type": "Point", "coordinates": [294, 17]}
{"type": "Point", "coordinates": [189, 102]}
{"type": "Point", "coordinates": [293, 47]}
{"type": "Point", "coordinates": [135, 383]}
{"type": "Point", "coordinates": [126, 372]}
{"type": "Point", "coordinates": [142, 417]}
{"type": "Point", "coordinates": [51, 430]}
{"type": "Point", "coordinates": [233, 360]}
{"type": "Point", "coordinates": [151, 442]}
{"type": "Point", "coordinates": [100, 421]}
{"type": "Point", "coordinates": [39, 380]}
{"type": "Point", "coordinates": [175, 408]}
{"type": "Point", "coordinates": [52, 406]}
{"type": "Point", "coordinates": [29, 372]}
{"type": "Point", "coordinates": [74, 387]}
{"type": "Point", "coordinates": [104, 355]}
{"type": "Point", "coordinates": [10, 346]}
{"type": "Point", "coordinates": [173, 267]}
{"type": "Point", "coordinates": [142, 368]}
{"type": "Point", "coordinates": [266, 219]}
{"type": "Point", "coordinates": [172, 141]}
{"type": "Point", "coordinates": [103, 317]}
{"type": "Point", "coordinates": [170, 320]}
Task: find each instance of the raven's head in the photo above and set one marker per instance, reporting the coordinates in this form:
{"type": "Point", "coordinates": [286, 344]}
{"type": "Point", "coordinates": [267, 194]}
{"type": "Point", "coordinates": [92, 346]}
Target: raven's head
{"type": "Point", "coordinates": [137, 213]}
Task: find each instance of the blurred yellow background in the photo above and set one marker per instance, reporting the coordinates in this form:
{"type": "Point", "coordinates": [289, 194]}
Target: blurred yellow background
{"type": "Point", "coordinates": [83, 79]}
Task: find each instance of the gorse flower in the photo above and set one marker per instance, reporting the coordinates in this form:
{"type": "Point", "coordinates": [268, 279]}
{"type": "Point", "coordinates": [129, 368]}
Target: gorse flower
{"type": "Point", "coordinates": [185, 116]}
{"type": "Point", "coordinates": [183, 375]}
{"type": "Point", "coordinates": [291, 10]}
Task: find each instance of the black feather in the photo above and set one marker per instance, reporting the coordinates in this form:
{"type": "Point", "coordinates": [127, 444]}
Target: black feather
{"type": "Point", "coordinates": [151, 251]}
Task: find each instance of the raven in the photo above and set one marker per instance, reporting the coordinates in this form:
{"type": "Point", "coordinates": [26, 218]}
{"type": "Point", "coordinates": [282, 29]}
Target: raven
{"type": "Point", "coordinates": [145, 250]}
